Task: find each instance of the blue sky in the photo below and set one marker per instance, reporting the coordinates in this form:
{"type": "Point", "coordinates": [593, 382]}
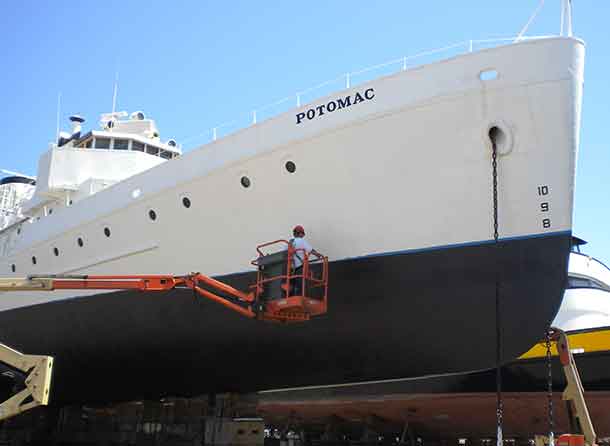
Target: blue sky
{"type": "Point", "coordinates": [192, 65]}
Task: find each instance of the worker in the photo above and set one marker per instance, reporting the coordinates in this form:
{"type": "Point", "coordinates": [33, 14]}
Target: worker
{"type": "Point", "coordinates": [302, 250]}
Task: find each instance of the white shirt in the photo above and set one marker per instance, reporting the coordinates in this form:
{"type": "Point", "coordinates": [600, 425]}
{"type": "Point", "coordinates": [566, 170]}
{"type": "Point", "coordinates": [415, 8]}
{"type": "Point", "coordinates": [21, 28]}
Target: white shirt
{"type": "Point", "coordinates": [302, 245]}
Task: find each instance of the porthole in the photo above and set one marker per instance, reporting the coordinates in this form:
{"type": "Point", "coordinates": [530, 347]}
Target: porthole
{"type": "Point", "coordinates": [80, 242]}
{"type": "Point", "coordinates": [70, 203]}
{"type": "Point", "coordinates": [33, 260]}
{"type": "Point", "coordinates": [152, 215]}
{"type": "Point", "coordinates": [50, 211]}
{"type": "Point", "coordinates": [56, 252]}
{"type": "Point", "coordinates": [13, 267]}
{"type": "Point", "coordinates": [290, 166]}
{"type": "Point", "coordinates": [186, 202]}
{"type": "Point", "coordinates": [18, 231]}
{"type": "Point", "coordinates": [245, 181]}
{"type": "Point", "coordinates": [488, 75]}
{"type": "Point", "coordinates": [107, 232]}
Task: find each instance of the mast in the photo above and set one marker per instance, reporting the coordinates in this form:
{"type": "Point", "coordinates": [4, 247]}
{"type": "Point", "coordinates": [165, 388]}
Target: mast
{"type": "Point", "coordinates": [566, 18]}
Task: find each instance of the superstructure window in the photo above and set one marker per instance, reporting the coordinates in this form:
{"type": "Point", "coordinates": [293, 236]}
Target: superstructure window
{"type": "Point", "coordinates": [121, 144]}
{"type": "Point", "coordinates": [86, 144]}
{"type": "Point", "coordinates": [583, 282]}
{"type": "Point", "coordinates": [166, 154]}
{"type": "Point", "coordinates": [152, 150]}
{"type": "Point", "coordinates": [102, 143]}
{"type": "Point", "coordinates": [137, 146]}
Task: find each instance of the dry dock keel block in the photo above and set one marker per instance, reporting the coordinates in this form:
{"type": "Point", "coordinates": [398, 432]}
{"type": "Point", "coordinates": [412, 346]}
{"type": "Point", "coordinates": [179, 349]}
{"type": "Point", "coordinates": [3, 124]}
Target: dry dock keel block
{"type": "Point", "coordinates": [38, 370]}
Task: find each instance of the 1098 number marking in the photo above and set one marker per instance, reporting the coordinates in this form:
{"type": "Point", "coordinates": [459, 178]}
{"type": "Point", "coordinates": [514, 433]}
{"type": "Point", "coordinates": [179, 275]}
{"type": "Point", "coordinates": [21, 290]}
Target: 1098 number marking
{"type": "Point", "coordinates": [545, 206]}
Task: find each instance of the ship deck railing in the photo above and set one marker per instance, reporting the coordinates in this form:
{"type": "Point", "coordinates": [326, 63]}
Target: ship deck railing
{"type": "Point", "coordinates": [346, 81]}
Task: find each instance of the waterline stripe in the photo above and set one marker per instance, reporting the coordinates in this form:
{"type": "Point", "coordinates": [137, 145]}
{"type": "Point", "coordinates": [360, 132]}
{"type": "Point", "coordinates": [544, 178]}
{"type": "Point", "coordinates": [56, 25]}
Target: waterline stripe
{"type": "Point", "coordinates": [459, 245]}
{"type": "Point", "coordinates": [430, 249]}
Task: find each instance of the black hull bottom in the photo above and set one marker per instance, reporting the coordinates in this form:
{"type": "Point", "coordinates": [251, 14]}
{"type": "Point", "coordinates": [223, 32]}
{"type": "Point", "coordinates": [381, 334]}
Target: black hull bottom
{"type": "Point", "coordinates": [393, 316]}
{"type": "Point", "coordinates": [518, 377]}
{"type": "Point", "coordinates": [466, 401]}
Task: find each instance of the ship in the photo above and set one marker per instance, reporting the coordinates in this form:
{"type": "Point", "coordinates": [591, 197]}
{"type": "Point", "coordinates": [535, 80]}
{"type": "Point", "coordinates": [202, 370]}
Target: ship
{"type": "Point", "coordinates": [442, 195]}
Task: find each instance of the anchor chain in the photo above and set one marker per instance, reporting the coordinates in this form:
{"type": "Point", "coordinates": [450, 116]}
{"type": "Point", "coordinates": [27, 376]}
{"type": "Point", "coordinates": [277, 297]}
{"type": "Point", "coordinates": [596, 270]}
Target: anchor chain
{"type": "Point", "coordinates": [550, 388]}
{"type": "Point", "coordinates": [499, 402]}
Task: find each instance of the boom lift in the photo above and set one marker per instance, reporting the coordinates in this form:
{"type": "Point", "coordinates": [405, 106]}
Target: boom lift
{"type": "Point", "coordinates": [271, 298]}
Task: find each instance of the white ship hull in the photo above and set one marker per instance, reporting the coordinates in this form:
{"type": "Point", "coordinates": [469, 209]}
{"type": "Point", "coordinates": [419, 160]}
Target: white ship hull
{"type": "Point", "coordinates": [395, 188]}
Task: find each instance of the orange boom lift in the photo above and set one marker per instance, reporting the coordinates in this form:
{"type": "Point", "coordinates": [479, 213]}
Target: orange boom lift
{"type": "Point", "coordinates": [271, 298]}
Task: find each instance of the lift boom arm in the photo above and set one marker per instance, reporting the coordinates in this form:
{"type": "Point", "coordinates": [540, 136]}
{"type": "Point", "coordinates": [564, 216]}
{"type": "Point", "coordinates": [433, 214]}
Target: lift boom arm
{"type": "Point", "coordinates": [194, 281]}
{"type": "Point", "coordinates": [574, 391]}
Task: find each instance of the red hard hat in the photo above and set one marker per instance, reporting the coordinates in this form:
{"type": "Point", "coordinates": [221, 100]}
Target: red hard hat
{"type": "Point", "coordinates": [299, 229]}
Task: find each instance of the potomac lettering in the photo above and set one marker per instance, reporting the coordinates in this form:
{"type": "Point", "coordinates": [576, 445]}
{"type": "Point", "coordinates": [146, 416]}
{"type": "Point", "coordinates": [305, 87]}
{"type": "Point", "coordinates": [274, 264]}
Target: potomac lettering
{"type": "Point", "coordinates": [344, 103]}
{"type": "Point", "coordinates": [336, 104]}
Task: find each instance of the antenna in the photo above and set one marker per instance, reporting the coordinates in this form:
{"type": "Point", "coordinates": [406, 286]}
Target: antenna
{"type": "Point", "coordinates": [566, 18]}
{"type": "Point", "coordinates": [116, 87]}
{"type": "Point", "coordinates": [58, 115]}
{"type": "Point", "coordinates": [531, 19]}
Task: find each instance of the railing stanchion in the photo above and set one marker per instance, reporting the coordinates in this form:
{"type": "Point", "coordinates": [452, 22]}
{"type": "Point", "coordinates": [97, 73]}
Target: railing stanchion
{"type": "Point", "coordinates": [253, 116]}
{"type": "Point", "coordinates": [298, 100]}
{"type": "Point", "coordinates": [214, 134]}
{"type": "Point", "coordinates": [404, 63]}
{"type": "Point", "coordinates": [470, 46]}
{"type": "Point", "coordinates": [347, 80]}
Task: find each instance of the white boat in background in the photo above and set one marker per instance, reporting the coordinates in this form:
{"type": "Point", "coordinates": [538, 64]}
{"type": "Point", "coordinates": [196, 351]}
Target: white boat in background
{"type": "Point", "coordinates": [391, 178]}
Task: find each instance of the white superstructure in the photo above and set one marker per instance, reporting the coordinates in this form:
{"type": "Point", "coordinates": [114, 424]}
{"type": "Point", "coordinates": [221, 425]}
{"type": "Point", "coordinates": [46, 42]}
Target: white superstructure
{"type": "Point", "coordinates": [79, 166]}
